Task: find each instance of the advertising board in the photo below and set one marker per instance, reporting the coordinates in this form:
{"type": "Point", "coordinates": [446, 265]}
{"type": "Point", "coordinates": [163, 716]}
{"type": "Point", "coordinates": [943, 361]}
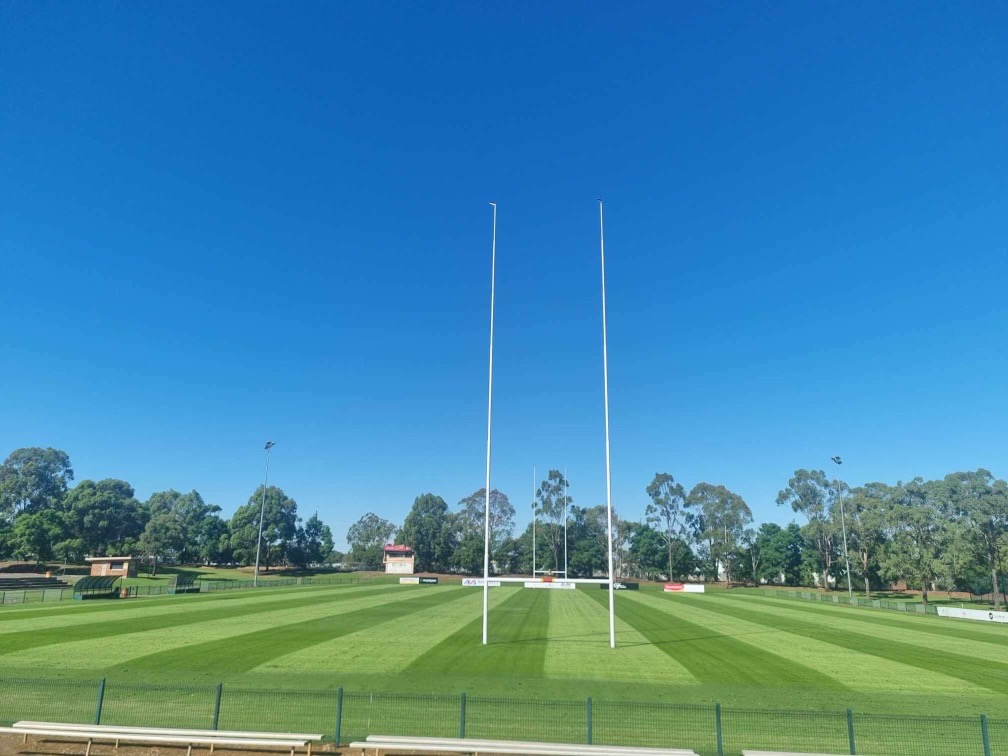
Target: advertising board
{"type": "Point", "coordinates": [684, 588]}
{"type": "Point", "coordinates": [621, 585]}
{"type": "Point", "coordinates": [428, 580]}
{"type": "Point", "coordinates": [984, 615]}
{"type": "Point", "coordinates": [478, 582]}
{"type": "Point", "coordinates": [562, 585]}
{"type": "Point", "coordinates": [409, 581]}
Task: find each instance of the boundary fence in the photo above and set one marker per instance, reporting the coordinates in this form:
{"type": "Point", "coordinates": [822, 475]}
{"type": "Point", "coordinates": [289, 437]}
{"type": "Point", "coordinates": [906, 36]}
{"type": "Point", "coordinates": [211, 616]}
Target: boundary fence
{"type": "Point", "coordinates": [710, 730]}
{"type": "Point", "coordinates": [836, 598]}
{"type": "Point", "coordinates": [49, 595]}
{"type": "Point", "coordinates": [911, 607]}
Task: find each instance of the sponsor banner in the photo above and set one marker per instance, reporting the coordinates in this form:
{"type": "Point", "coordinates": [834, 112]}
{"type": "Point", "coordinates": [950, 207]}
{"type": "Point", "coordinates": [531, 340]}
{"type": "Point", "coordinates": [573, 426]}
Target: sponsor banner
{"type": "Point", "coordinates": [684, 588]}
{"type": "Point", "coordinates": [621, 585]}
{"type": "Point", "coordinates": [563, 585]}
{"type": "Point", "coordinates": [478, 582]}
{"type": "Point", "coordinates": [399, 567]}
{"type": "Point", "coordinates": [983, 615]}
{"type": "Point", "coordinates": [428, 581]}
{"type": "Point", "coordinates": [409, 581]}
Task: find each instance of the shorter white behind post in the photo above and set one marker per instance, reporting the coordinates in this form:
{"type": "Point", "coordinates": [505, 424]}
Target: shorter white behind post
{"type": "Point", "coordinates": [533, 521]}
{"type": "Point", "coordinates": [565, 523]}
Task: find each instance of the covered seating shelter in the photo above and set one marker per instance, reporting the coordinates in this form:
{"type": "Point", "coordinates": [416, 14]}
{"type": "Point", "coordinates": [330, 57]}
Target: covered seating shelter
{"type": "Point", "coordinates": [95, 586]}
{"type": "Point", "coordinates": [184, 582]}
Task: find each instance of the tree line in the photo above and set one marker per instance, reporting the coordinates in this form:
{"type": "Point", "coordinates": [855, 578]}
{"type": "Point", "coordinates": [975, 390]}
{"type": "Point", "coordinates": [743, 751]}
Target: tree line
{"type": "Point", "coordinates": [43, 518]}
{"type": "Point", "coordinates": [947, 534]}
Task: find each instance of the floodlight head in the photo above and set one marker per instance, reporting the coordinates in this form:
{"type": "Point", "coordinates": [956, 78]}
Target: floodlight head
{"type": "Point", "coordinates": [837, 460]}
{"type": "Point", "coordinates": [269, 445]}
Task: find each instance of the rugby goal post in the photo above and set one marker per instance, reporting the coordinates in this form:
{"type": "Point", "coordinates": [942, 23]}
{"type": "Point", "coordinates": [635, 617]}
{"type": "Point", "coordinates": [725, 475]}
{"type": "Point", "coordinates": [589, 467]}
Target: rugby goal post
{"type": "Point", "coordinates": [605, 385]}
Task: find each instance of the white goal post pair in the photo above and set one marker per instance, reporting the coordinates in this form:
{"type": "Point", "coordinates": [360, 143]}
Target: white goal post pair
{"type": "Point", "coordinates": [605, 384]}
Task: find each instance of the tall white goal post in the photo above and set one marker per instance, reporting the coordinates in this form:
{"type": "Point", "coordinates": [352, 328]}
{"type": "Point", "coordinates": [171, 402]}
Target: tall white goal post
{"type": "Point", "coordinates": [486, 516]}
{"type": "Point", "coordinates": [486, 519]}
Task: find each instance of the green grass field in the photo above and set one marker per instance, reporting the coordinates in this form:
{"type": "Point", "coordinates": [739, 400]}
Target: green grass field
{"type": "Point", "coordinates": [736, 649]}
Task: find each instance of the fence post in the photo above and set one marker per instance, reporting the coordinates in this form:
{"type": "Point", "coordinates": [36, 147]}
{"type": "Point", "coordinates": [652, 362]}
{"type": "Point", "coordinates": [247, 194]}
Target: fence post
{"type": "Point", "coordinates": [589, 721]}
{"type": "Point", "coordinates": [717, 729]}
{"type": "Point", "coordinates": [216, 706]}
{"type": "Point", "coordinates": [339, 714]}
{"type": "Point", "coordinates": [850, 730]}
{"type": "Point", "coordinates": [462, 716]}
{"type": "Point", "coordinates": [101, 700]}
{"type": "Point", "coordinates": [985, 734]}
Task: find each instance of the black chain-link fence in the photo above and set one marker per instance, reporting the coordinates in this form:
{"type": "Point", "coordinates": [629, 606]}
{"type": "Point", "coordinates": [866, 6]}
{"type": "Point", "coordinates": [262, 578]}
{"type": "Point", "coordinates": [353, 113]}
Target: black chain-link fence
{"type": "Point", "coordinates": [345, 716]}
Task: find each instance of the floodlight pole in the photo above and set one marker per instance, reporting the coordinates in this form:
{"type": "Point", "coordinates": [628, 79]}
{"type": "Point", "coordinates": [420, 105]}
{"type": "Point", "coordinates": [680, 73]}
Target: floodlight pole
{"type": "Point", "coordinates": [843, 528]}
{"type": "Point", "coordinates": [262, 512]}
{"type": "Point", "coordinates": [486, 513]}
{"type": "Point", "coordinates": [608, 472]}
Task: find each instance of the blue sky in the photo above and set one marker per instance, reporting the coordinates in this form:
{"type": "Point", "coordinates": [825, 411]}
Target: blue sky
{"type": "Point", "coordinates": [226, 223]}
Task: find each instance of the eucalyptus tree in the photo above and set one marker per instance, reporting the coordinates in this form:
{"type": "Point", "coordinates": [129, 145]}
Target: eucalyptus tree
{"type": "Point", "coordinates": [918, 533]}
{"type": "Point", "coordinates": [723, 516]}
{"type": "Point", "coordinates": [866, 525]}
{"type": "Point", "coordinates": [279, 526]}
{"type": "Point", "coordinates": [553, 504]}
{"type": "Point", "coordinates": [471, 522]}
{"type": "Point", "coordinates": [980, 503]}
{"type": "Point", "coordinates": [367, 536]}
{"type": "Point", "coordinates": [104, 516]}
{"type": "Point", "coordinates": [432, 531]}
{"type": "Point", "coordinates": [669, 514]}
{"type": "Point", "coordinates": [33, 479]}
{"type": "Point", "coordinates": [809, 493]}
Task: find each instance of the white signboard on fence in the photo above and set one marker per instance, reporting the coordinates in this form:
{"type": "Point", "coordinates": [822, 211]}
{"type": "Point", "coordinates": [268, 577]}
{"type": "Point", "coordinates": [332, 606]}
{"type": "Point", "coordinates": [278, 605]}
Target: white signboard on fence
{"type": "Point", "coordinates": [560, 585]}
{"type": "Point", "coordinates": [409, 581]}
{"type": "Point", "coordinates": [684, 588]}
{"type": "Point", "coordinates": [973, 614]}
{"type": "Point", "coordinates": [478, 582]}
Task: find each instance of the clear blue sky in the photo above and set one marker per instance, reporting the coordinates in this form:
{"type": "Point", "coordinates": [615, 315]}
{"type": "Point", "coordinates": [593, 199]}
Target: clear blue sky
{"type": "Point", "coordinates": [231, 222]}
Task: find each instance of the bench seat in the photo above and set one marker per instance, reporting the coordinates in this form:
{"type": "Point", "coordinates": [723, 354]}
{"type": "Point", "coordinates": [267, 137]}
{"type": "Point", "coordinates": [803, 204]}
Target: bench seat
{"type": "Point", "coordinates": [401, 743]}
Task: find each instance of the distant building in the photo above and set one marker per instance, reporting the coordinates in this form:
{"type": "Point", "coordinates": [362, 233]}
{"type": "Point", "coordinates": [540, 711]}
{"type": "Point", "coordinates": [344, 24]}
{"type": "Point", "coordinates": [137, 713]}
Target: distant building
{"type": "Point", "coordinates": [398, 559]}
{"type": "Point", "coordinates": [117, 566]}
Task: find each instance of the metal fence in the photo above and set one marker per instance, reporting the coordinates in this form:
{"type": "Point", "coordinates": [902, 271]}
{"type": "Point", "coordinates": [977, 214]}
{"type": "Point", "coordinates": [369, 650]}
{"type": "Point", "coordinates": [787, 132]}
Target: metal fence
{"type": "Point", "coordinates": [345, 716]}
{"type": "Point", "coordinates": [909, 607]}
{"type": "Point", "coordinates": [49, 595]}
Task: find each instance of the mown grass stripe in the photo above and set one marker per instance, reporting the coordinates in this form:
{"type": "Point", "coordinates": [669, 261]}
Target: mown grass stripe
{"type": "Point", "coordinates": [517, 640]}
{"type": "Point", "coordinates": [847, 666]}
{"type": "Point", "coordinates": [985, 673]}
{"type": "Point", "coordinates": [710, 656]}
{"type": "Point", "coordinates": [114, 610]}
{"type": "Point", "coordinates": [242, 653]}
{"type": "Point", "coordinates": [386, 648]}
{"type": "Point", "coordinates": [940, 626]}
{"type": "Point", "coordinates": [903, 633]}
{"type": "Point", "coordinates": [578, 645]}
{"type": "Point", "coordinates": [105, 629]}
{"type": "Point", "coordinates": [83, 654]}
